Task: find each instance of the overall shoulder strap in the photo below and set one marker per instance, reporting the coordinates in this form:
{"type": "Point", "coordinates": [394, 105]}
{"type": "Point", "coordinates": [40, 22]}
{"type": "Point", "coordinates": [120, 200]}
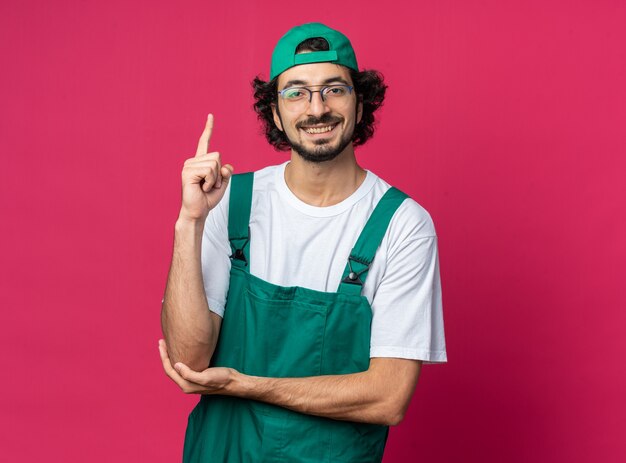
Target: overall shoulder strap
{"type": "Point", "coordinates": [239, 217]}
{"type": "Point", "coordinates": [369, 240]}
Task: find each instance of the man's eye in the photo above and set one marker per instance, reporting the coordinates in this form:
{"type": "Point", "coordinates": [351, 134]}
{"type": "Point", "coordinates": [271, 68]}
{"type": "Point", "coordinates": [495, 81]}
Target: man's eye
{"type": "Point", "coordinates": [336, 91]}
{"type": "Point", "coordinates": [293, 94]}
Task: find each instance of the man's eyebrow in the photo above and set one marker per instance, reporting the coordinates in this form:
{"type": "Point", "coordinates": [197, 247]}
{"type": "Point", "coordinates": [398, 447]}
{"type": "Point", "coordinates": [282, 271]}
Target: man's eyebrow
{"type": "Point", "coordinates": [291, 83]}
{"type": "Point", "coordinates": [336, 79]}
{"type": "Point", "coordinates": [302, 83]}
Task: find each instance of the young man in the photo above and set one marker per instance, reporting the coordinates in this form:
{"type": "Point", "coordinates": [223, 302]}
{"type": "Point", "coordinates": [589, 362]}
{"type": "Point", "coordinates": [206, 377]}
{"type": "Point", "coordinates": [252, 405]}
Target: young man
{"type": "Point", "coordinates": [310, 288]}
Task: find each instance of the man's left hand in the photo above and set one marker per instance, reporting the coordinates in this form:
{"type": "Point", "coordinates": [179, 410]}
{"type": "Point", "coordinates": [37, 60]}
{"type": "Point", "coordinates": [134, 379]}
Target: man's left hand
{"type": "Point", "coordinates": [213, 380]}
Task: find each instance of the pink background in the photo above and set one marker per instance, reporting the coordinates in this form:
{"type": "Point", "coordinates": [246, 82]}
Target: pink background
{"type": "Point", "coordinates": [506, 120]}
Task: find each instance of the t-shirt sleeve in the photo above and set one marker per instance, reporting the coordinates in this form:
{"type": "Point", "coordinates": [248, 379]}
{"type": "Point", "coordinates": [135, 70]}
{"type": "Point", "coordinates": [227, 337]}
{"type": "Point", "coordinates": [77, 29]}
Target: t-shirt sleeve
{"type": "Point", "coordinates": [407, 306]}
{"type": "Point", "coordinates": [215, 254]}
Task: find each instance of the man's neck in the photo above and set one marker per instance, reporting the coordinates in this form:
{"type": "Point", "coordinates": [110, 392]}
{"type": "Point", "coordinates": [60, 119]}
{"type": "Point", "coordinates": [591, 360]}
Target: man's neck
{"type": "Point", "coordinates": [325, 183]}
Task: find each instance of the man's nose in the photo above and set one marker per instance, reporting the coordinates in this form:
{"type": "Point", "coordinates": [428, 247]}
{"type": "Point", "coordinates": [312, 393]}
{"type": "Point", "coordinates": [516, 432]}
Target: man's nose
{"type": "Point", "coordinates": [317, 105]}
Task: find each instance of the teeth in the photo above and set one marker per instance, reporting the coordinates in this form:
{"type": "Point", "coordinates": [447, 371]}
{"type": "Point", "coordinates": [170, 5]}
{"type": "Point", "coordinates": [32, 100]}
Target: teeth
{"type": "Point", "coordinates": [319, 129]}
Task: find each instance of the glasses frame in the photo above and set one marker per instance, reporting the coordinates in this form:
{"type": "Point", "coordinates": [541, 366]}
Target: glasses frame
{"type": "Point", "coordinates": [311, 92]}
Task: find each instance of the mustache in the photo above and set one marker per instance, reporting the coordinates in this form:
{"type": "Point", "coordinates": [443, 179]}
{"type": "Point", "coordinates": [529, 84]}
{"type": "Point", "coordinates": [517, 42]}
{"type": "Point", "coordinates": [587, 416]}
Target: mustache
{"type": "Point", "coordinates": [324, 119]}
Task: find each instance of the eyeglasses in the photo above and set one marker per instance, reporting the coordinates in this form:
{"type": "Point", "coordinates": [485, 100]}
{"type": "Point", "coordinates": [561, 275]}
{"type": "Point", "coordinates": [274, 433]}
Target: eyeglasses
{"type": "Point", "coordinates": [297, 98]}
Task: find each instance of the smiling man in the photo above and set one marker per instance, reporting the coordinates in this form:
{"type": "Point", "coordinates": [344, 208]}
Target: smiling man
{"type": "Point", "coordinates": [303, 298]}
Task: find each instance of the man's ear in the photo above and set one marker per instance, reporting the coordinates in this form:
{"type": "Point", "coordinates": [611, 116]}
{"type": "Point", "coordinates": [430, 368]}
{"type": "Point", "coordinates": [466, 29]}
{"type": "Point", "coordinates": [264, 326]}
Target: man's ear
{"type": "Point", "coordinates": [277, 120]}
{"type": "Point", "coordinates": [359, 110]}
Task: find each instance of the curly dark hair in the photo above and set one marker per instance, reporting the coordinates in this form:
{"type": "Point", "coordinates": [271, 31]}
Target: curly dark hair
{"type": "Point", "coordinates": [369, 87]}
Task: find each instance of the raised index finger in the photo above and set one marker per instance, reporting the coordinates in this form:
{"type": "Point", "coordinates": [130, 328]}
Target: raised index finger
{"type": "Point", "coordinates": [205, 138]}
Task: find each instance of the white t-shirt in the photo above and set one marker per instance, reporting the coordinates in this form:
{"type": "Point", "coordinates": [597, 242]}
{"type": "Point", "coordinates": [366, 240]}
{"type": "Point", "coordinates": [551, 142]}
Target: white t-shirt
{"type": "Point", "coordinates": [295, 244]}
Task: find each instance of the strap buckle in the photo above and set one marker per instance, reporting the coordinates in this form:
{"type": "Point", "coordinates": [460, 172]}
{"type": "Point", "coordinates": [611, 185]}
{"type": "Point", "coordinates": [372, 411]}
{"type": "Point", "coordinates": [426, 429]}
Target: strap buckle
{"type": "Point", "coordinates": [238, 253]}
{"type": "Point", "coordinates": [354, 278]}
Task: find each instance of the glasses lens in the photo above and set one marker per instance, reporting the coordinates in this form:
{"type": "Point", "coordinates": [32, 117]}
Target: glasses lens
{"type": "Point", "coordinates": [295, 98]}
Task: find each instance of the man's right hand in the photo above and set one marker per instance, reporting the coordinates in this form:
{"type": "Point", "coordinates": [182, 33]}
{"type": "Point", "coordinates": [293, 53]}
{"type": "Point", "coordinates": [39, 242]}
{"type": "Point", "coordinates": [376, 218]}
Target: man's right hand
{"type": "Point", "coordinates": [204, 179]}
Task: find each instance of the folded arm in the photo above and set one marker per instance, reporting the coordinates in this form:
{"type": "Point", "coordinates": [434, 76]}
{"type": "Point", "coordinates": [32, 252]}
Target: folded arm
{"type": "Point", "coordinates": [378, 395]}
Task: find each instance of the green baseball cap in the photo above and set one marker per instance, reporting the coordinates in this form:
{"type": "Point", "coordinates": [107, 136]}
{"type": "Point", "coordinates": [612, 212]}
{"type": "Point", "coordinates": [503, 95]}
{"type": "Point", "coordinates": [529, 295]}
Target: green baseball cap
{"type": "Point", "coordinates": [285, 57]}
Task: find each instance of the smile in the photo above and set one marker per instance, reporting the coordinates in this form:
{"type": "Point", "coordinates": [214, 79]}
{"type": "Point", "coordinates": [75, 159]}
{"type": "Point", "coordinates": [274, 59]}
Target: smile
{"type": "Point", "coordinates": [324, 129]}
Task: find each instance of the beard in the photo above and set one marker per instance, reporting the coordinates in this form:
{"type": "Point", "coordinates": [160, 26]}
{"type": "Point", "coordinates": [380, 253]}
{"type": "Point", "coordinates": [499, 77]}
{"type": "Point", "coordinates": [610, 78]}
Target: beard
{"type": "Point", "coordinates": [323, 151]}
